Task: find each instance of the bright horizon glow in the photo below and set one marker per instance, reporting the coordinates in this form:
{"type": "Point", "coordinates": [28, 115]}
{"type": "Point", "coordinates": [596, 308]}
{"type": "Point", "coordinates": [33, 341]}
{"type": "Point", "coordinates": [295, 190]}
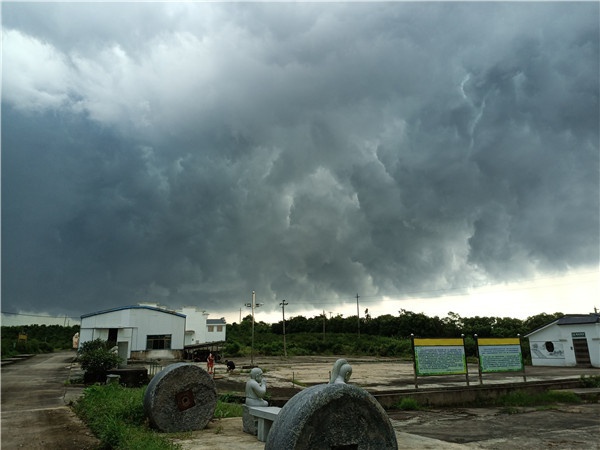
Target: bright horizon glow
{"type": "Point", "coordinates": [573, 293]}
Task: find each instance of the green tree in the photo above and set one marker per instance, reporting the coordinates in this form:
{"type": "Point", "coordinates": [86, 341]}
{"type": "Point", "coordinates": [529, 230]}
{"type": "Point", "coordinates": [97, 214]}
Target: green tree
{"type": "Point", "coordinates": [96, 358]}
{"type": "Point", "coordinates": [539, 320]}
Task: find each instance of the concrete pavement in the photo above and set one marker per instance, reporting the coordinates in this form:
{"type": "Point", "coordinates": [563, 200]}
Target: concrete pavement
{"type": "Point", "coordinates": [34, 413]}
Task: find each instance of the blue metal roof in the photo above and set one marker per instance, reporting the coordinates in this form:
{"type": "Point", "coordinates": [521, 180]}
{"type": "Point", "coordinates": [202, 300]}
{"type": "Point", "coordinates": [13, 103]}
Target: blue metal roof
{"type": "Point", "coordinates": [216, 321]}
{"type": "Point", "coordinates": [579, 319]}
{"type": "Point", "coordinates": [570, 319]}
{"type": "Point", "coordinates": [121, 308]}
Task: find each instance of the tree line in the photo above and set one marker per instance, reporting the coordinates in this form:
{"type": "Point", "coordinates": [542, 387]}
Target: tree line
{"type": "Point", "coordinates": [385, 335]}
{"type": "Point", "coordinates": [40, 338]}
{"type": "Point", "coordinates": [408, 322]}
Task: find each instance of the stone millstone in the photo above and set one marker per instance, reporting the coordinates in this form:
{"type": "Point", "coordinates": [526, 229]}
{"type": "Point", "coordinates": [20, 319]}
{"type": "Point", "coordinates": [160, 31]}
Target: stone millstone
{"type": "Point", "coordinates": [329, 416]}
{"type": "Point", "coordinates": [181, 397]}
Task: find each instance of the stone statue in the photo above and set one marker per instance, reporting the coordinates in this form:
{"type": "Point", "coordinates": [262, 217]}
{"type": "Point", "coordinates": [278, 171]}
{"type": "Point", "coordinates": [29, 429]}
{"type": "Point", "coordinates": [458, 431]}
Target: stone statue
{"type": "Point", "coordinates": [332, 415]}
{"type": "Point", "coordinates": [341, 372]}
{"type": "Point", "coordinates": [256, 388]}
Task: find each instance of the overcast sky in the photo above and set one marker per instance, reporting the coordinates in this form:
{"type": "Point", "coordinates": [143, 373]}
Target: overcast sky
{"type": "Point", "coordinates": [189, 153]}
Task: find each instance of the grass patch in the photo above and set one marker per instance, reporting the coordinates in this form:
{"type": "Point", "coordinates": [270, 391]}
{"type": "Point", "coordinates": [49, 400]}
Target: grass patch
{"type": "Point", "coordinates": [409, 404]}
{"type": "Point", "coordinates": [115, 414]}
{"type": "Point", "coordinates": [523, 399]}
{"type": "Point", "coordinates": [225, 410]}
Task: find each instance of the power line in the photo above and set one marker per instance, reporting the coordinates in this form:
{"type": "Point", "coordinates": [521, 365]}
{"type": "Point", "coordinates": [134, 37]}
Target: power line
{"type": "Point", "coordinates": [39, 315]}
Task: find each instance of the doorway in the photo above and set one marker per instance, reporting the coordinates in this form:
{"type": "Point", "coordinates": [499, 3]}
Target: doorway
{"type": "Point", "coordinates": [112, 336]}
{"type": "Point", "coordinates": [582, 352]}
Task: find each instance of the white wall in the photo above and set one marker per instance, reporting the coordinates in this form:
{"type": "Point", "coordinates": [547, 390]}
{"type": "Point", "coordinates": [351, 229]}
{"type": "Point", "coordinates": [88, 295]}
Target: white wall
{"type": "Point", "coordinates": [213, 334]}
{"type": "Point", "coordinates": [195, 325]}
{"type": "Point", "coordinates": [134, 325]}
{"type": "Point", "coordinates": [560, 341]}
{"type": "Point", "coordinates": [197, 328]}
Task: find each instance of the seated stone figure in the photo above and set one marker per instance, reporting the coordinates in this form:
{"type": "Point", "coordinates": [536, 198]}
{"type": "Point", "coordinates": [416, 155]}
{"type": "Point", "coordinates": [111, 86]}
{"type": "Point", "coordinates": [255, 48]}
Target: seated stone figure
{"type": "Point", "coordinates": [341, 372]}
{"type": "Point", "coordinates": [333, 415]}
{"type": "Point", "coordinates": [256, 388]}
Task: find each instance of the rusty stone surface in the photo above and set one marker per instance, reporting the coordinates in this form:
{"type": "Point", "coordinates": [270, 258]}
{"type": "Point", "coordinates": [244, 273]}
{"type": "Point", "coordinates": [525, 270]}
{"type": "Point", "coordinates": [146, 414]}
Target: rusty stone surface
{"type": "Point", "coordinates": [182, 397]}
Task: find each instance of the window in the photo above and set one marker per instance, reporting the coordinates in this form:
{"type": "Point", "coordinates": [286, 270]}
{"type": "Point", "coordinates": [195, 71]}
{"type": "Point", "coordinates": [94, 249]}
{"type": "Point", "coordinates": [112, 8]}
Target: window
{"type": "Point", "coordinates": [211, 328]}
{"type": "Point", "coordinates": [219, 328]}
{"type": "Point", "coordinates": [158, 342]}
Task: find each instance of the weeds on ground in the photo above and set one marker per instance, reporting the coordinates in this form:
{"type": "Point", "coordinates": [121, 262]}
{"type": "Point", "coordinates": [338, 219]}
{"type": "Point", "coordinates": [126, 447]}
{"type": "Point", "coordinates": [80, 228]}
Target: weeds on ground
{"type": "Point", "coordinates": [230, 397]}
{"type": "Point", "coordinates": [115, 414]}
{"type": "Point", "coordinates": [511, 403]}
{"type": "Point", "coordinates": [225, 410]}
{"type": "Point", "coordinates": [408, 404]}
{"type": "Point", "coordinates": [591, 381]}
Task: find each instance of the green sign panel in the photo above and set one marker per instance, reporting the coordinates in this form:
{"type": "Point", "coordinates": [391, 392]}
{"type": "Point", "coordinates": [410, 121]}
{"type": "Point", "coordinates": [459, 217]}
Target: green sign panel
{"type": "Point", "coordinates": [500, 358]}
{"type": "Point", "coordinates": [443, 360]}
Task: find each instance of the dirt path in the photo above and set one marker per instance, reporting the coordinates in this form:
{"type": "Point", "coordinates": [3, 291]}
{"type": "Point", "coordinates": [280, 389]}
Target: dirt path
{"type": "Point", "coordinates": [34, 413]}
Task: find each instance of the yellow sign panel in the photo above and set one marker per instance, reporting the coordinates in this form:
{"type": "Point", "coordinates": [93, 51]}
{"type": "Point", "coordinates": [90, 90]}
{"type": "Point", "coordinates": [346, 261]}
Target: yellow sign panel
{"type": "Point", "coordinates": [499, 341]}
{"type": "Point", "coordinates": [419, 342]}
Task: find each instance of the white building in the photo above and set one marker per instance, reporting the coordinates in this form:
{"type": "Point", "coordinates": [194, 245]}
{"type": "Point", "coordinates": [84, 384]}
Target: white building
{"type": "Point", "coordinates": [140, 332]}
{"type": "Point", "coordinates": [150, 331]}
{"type": "Point", "coordinates": [199, 329]}
{"type": "Point", "coordinates": [572, 340]}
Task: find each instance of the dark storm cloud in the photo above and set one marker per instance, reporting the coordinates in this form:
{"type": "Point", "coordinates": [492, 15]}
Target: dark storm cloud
{"type": "Point", "coordinates": [191, 153]}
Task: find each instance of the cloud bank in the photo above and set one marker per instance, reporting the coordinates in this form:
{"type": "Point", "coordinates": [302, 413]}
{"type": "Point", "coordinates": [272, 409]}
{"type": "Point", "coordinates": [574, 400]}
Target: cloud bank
{"type": "Point", "coordinates": [190, 153]}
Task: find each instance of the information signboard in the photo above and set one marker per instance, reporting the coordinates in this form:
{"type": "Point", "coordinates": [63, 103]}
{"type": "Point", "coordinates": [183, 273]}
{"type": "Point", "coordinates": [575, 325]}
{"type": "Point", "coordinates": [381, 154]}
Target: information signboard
{"type": "Point", "coordinates": [439, 356]}
{"type": "Point", "coordinates": [499, 355]}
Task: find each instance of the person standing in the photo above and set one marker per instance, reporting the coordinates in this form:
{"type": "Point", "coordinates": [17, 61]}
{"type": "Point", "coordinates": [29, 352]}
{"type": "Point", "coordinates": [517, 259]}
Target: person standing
{"type": "Point", "coordinates": [210, 363]}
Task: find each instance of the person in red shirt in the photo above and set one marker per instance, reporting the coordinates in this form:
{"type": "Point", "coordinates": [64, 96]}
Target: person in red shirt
{"type": "Point", "coordinates": [210, 363]}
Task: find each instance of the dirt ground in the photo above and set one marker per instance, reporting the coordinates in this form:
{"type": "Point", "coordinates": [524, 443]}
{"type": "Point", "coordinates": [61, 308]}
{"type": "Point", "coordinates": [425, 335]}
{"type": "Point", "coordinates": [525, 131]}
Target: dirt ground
{"type": "Point", "coordinates": [563, 427]}
{"type": "Point", "coordinates": [373, 374]}
{"type": "Point", "coordinates": [36, 415]}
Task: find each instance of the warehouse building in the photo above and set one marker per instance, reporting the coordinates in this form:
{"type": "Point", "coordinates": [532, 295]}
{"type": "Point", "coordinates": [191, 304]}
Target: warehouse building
{"type": "Point", "coordinates": [148, 331]}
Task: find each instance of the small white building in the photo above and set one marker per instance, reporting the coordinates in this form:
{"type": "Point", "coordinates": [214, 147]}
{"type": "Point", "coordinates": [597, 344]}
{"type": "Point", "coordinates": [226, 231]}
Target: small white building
{"type": "Point", "coordinates": [199, 329]}
{"type": "Point", "coordinates": [572, 340]}
{"type": "Point", "coordinates": [140, 332]}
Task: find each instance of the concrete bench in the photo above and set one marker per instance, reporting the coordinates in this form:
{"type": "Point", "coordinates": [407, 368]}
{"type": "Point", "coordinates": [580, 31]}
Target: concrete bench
{"type": "Point", "coordinates": [263, 416]}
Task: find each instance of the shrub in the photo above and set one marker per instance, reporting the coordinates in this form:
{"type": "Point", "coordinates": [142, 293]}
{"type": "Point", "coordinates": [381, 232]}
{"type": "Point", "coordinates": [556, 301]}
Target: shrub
{"type": "Point", "coordinates": [592, 381]}
{"type": "Point", "coordinates": [232, 349]}
{"type": "Point", "coordinates": [96, 359]}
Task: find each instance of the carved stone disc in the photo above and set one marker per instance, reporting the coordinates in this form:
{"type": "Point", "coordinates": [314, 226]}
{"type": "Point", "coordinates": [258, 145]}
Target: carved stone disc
{"type": "Point", "coordinates": [182, 397]}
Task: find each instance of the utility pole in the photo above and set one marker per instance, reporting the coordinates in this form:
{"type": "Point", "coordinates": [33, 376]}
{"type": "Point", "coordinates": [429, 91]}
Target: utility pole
{"type": "Point", "coordinates": [358, 315]}
{"type": "Point", "coordinates": [282, 304]}
{"type": "Point", "coordinates": [253, 305]}
{"type": "Point", "coordinates": [324, 317]}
